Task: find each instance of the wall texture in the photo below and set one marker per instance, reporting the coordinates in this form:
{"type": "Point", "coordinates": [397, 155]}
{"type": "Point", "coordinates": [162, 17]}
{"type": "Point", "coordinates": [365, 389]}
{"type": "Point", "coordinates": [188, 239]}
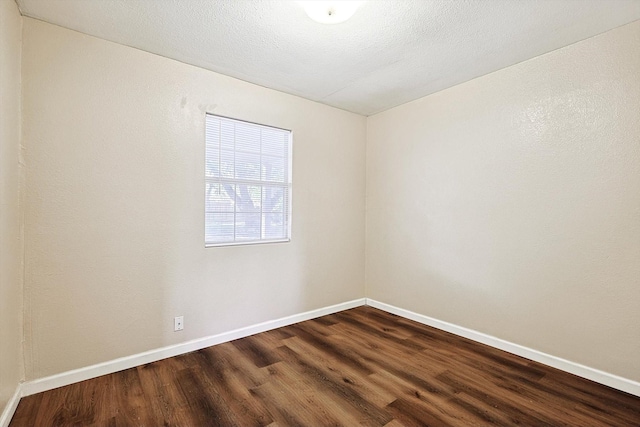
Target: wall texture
{"type": "Point", "coordinates": [10, 216]}
{"type": "Point", "coordinates": [510, 204]}
{"type": "Point", "coordinates": [114, 217]}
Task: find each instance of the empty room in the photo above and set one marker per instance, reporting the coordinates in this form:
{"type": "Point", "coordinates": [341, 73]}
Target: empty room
{"type": "Point", "coordinates": [319, 213]}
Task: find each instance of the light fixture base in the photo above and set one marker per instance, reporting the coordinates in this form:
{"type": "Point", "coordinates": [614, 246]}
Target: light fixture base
{"type": "Point", "coordinates": [330, 11]}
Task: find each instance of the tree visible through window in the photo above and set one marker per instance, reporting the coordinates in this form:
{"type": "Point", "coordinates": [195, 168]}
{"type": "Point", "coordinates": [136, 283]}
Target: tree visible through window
{"type": "Point", "coordinates": [248, 182]}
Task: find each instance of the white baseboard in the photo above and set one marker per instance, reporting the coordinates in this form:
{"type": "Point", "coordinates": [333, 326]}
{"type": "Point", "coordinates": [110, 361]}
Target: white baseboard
{"type": "Point", "coordinates": [611, 380]}
{"type": "Point", "coordinates": [70, 377]}
{"type": "Point", "coordinates": [93, 371]}
{"type": "Point", "coordinates": [10, 408]}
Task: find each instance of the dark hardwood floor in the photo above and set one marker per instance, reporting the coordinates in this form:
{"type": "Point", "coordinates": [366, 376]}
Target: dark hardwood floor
{"type": "Point", "coordinates": [358, 367]}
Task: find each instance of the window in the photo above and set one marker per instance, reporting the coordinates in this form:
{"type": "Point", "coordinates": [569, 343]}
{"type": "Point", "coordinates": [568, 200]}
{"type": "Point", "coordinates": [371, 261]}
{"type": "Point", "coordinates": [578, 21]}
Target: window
{"type": "Point", "coordinates": [248, 183]}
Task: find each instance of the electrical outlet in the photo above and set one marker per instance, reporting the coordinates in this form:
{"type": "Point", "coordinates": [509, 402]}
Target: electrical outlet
{"type": "Point", "coordinates": [178, 323]}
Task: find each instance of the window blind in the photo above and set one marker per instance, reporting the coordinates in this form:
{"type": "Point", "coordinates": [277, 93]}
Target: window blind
{"type": "Point", "coordinates": [247, 182]}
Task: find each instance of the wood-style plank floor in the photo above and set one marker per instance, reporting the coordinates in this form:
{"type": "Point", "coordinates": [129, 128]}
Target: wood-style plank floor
{"type": "Point", "coordinates": [358, 367]}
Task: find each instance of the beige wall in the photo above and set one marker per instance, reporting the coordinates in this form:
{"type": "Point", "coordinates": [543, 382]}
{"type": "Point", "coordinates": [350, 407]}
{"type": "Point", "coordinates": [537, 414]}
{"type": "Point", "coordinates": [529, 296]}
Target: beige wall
{"type": "Point", "coordinates": [510, 204]}
{"type": "Point", "coordinates": [10, 216]}
{"type": "Point", "coordinates": [115, 198]}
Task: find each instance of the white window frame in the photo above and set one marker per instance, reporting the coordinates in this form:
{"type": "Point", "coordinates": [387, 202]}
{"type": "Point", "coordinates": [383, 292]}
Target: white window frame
{"type": "Point", "coordinates": [286, 184]}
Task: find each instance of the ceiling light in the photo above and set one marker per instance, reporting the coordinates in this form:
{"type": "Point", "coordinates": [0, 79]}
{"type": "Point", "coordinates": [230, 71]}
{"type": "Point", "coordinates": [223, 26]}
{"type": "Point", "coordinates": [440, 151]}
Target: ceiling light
{"type": "Point", "coordinates": [331, 11]}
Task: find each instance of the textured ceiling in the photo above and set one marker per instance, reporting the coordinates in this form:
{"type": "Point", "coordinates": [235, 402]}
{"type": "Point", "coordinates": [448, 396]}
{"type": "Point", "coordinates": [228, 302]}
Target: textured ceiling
{"type": "Point", "coordinates": [389, 53]}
